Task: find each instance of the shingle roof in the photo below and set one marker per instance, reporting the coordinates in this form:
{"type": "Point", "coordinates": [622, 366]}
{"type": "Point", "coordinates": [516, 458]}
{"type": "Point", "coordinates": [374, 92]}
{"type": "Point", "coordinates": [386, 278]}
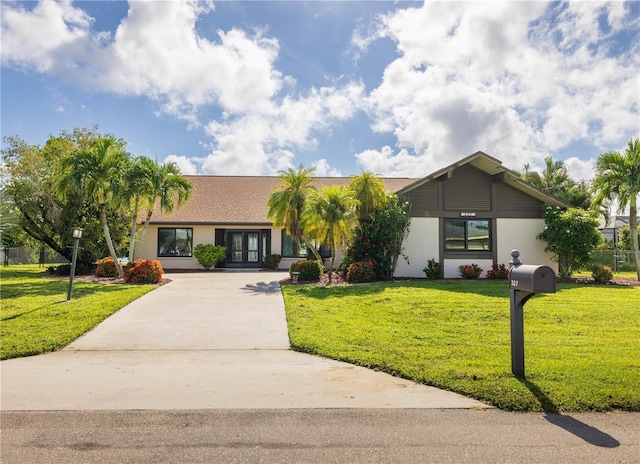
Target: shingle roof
{"type": "Point", "coordinates": [241, 199]}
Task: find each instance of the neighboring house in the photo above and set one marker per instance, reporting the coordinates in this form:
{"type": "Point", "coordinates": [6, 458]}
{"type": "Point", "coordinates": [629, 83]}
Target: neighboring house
{"type": "Point", "coordinates": [611, 230]}
{"type": "Point", "coordinates": [474, 211]}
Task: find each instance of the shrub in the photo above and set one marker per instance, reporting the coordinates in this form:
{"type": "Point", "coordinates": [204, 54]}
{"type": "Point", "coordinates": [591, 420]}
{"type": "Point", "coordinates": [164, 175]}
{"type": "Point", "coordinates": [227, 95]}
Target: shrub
{"type": "Point", "coordinates": [432, 269]}
{"type": "Point", "coordinates": [309, 270]}
{"type": "Point", "coordinates": [106, 268]}
{"type": "Point", "coordinates": [379, 238]}
{"type": "Point", "coordinates": [601, 274]}
{"type": "Point", "coordinates": [361, 272]}
{"type": "Point", "coordinates": [143, 271]}
{"type": "Point", "coordinates": [470, 271]}
{"type": "Point", "coordinates": [271, 261]}
{"type": "Point", "coordinates": [82, 268]}
{"type": "Point", "coordinates": [498, 272]}
{"type": "Point", "coordinates": [209, 255]}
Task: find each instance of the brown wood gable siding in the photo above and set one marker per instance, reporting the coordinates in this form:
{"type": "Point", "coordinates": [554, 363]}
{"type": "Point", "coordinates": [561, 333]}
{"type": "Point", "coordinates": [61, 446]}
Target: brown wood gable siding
{"type": "Point", "coordinates": [470, 190]}
{"type": "Point", "coordinates": [511, 202]}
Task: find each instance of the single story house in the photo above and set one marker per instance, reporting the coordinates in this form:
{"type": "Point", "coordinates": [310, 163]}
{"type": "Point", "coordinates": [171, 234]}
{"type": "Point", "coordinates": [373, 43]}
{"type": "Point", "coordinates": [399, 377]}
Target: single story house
{"type": "Point", "coordinates": [474, 211]}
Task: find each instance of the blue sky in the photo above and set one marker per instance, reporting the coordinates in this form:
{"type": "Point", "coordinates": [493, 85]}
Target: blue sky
{"type": "Point", "coordinates": [398, 88]}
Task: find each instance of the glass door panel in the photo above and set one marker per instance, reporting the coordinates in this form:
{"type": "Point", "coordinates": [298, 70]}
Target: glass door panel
{"type": "Point", "coordinates": [252, 247]}
{"type": "Point", "coordinates": [236, 247]}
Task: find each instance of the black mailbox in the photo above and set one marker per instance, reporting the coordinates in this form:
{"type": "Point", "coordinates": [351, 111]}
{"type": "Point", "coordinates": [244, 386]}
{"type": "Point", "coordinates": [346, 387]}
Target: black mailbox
{"type": "Point", "coordinates": [525, 281]}
{"type": "Point", "coordinates": [532, 278]}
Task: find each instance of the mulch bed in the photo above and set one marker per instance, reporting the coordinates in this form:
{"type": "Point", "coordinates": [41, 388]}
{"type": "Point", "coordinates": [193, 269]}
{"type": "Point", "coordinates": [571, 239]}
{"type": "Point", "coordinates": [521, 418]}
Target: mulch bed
{"type": "Point", "coordinates": [336, 279]}
{"type": "Point", "coordinates": [101, 280]}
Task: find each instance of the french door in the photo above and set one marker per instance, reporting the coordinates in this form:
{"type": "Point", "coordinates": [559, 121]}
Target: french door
{"type": "Point", "coordinates": [246, 248]}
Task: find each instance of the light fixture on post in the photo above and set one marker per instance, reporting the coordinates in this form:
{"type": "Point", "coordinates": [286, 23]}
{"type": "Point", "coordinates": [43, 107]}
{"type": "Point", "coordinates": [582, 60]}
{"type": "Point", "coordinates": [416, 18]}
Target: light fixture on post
{"type": "Point", "coordinates": [77, 235]}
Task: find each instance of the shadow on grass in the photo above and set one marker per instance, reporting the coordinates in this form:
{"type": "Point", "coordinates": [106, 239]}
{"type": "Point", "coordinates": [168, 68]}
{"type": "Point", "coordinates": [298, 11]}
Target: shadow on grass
{"type": "Point", "coordinates": [26, 313]}
{"type": "Point", "coordinates": [578, 428]}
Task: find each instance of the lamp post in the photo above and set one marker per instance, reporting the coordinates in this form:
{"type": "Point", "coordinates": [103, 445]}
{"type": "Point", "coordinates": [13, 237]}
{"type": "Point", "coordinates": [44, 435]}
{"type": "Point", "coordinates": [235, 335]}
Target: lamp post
{"type": "Point", "coordinates": [77, 235]}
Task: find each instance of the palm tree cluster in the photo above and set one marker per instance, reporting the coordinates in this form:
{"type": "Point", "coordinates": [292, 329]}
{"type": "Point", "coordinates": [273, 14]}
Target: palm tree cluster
{"type": "Point", "coordinates": [327, 215]}
{"type": "Point", "coordinates": [106, 173]}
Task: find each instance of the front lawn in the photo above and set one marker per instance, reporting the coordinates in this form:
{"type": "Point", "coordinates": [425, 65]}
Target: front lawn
{"type": "Point", "coordinates": [582, 350]}
{"type": "Point", "coordinates": [36, 318]}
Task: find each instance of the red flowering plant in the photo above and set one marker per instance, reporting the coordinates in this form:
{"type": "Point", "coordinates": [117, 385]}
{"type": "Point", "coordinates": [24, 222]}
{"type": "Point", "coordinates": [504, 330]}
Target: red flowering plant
{"type": "Point", "coordinates": [470, 271]}
{"type": "Point", "coordinates": [498, 272]}
{"type": "Point", "coordinates": [143, 271]}
{"type": "Point", "coordinates": [361, 272]}
{"type": "Point", "coordinates": [106, 268]}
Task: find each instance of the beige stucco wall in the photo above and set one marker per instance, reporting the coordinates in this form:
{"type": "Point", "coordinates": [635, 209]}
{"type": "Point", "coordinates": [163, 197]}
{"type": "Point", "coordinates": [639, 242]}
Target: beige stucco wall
{"type": "Point", "coordinates": [201, 234]}
{"type": "Point", "coordinates": [520, 234]}
{"type": "Point", "coordinates": [421, 245]}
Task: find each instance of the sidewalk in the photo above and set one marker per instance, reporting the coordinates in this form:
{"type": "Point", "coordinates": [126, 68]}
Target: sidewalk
{"type": "Point", "coordinates": [204, 341]}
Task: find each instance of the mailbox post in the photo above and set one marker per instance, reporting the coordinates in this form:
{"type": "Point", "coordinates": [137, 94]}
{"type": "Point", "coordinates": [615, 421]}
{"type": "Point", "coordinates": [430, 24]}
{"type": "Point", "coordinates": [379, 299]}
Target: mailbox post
{"type": "Point", "coordinates": [525, 281]}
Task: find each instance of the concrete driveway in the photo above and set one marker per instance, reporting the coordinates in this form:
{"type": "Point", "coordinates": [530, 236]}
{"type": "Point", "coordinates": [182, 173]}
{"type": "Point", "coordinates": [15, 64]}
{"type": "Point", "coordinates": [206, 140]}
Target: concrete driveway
{"type": "Point", "coordinates": [203, 341]}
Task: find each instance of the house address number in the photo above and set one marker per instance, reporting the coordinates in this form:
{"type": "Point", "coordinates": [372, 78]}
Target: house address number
{"type": "Point", "coordinates": [514, 283]}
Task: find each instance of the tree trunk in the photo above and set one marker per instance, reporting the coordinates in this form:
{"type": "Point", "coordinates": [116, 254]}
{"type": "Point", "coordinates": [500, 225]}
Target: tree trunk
{"type": "Point", "coordinates": [107, 236]}
{"type": "Point", "coordinates": [132, 237]}
{"type": "Point", "coordinates": [143, 233]}
{"type": "Point", "coordinates": [633, 230]}
{"type": "Point", "coordinates": [314, 252]}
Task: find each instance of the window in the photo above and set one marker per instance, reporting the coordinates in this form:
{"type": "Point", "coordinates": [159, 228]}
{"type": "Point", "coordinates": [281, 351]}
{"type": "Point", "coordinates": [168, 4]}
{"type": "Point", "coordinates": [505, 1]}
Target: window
{"type": "Point", "coordinates": [175, 242]}
{"type": "Point", "coordinates": [474, 235]}
{"type": "Point", "coordinates": [287, 248]}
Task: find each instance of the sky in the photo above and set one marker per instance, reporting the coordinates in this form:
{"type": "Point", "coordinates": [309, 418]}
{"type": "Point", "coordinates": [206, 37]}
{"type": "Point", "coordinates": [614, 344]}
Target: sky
{"type": "Point", "coordinates": [400, 89]}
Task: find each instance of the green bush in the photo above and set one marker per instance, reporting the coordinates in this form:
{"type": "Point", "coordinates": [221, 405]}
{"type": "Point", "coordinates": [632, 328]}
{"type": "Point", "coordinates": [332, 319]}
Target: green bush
{"type": "Point", "coordinates": [106, 268]}
{"type": "Point", "coordinates": [498, 272]}
{"type": "Point", "coordinates": [601, 274]}
{"type": "Point", "coordinates": [361, 272]}
{"type": "Point", "coordinates": [143, 271]}
{"type": "Point", "coordinates": [309, 270]}
{"type": "Point", "coordinates": [271, 261]}
{"type": "Point", "coordinates": [209, 255]}
{"type": "Point", "coordinates": [470, 271]}
{"type": "Point", "coordinates": [432, 269]}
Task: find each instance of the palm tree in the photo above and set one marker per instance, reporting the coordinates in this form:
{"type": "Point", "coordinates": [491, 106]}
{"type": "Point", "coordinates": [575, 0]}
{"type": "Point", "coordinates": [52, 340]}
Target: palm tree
{"type": "Point", "coordinates": [165, 185]}
{"type": "Point", "coordinates": [369, 190]}
{"type": "Point", "coordinates": [287, 205]}
{"type": "Point", "coordinates": [330, 216]}
{"type": "Point", "coordinates": [618, 177]}
{"type": "Point", "coordinates": [137, 187]}
{"type": "Point", "coordinates": [96, 173]}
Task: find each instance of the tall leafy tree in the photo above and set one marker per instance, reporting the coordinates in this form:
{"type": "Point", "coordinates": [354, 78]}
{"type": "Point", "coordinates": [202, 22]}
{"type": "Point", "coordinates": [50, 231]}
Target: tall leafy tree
{"type": "Point", "coordinates": [571, 236]}
{"type": "Point", "coordinates": [31, 175]}
{"type": "Point", "coordinates": [287, 204]}
{"type": "Point", "coordinates": [556, 181]}
{"type": "Point", "coordinates": [96, 173]}
{"type": "Point", "coordinates": [166, 187]}
{"type": "Point", "coordinates": [618, 178]}
{"type": "Point", "coordinates": [369, 190]}
{"type": "Point", "coordinates": [329, 217]}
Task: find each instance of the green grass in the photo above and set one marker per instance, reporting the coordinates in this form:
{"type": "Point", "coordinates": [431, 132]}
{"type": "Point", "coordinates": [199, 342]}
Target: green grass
{"type": "Point", "coordinates": [582, 344]}
{"type": "Point", "coordinates": [36, 318]}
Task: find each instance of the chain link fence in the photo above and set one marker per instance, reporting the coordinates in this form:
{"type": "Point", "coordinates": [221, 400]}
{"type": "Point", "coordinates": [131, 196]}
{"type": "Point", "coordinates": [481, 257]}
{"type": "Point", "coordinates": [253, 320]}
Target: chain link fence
{"type": "Point", "coordinates": [618, 260]}
{"type": "Point", "coordinates": [30, 255]}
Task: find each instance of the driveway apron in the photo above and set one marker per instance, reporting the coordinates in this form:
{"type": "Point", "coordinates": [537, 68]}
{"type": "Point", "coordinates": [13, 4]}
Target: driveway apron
{"type": "Point", "coordinates": [214, 340]}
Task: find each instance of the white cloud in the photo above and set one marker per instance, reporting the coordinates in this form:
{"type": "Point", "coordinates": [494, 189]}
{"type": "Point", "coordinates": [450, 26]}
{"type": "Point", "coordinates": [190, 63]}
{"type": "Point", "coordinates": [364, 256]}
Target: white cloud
{"type": "Point", "coordinates": [518, 80]}
{"type": "Point", "coordinates": [188, 166]}
{"type": "Point", "coordinates": [157, 52]}
{"type": "Point", "coordinates": [260, 142]}
{"type": "Point", "coordinates": [37, 38]}
{"type": "Point", "coordinates": [579, 169]}
{"type": "Point", "coordinates": [324, 169]}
